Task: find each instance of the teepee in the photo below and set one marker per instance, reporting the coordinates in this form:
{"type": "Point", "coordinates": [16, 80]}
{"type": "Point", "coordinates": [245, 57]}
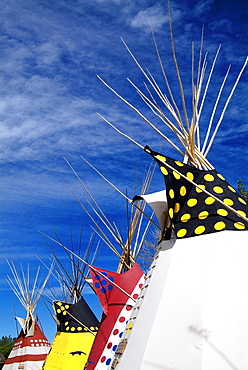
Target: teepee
{"type": "Point", "coordinates": [192, 311]}
{"type": "Point", "coordinates": [117, 291]}
{"type": "Point", "coordinates": [76, 323]}
{"type": "Point", "coordinates": [31, 347]}
{"type": "Point", "coordinates": [117, 294]}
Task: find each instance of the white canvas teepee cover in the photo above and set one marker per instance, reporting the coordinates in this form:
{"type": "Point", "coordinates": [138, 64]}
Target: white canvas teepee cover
{"type": "Point", "coordinates": [192, 314]}
{"type": "Point", "coordinates": [193, 311]}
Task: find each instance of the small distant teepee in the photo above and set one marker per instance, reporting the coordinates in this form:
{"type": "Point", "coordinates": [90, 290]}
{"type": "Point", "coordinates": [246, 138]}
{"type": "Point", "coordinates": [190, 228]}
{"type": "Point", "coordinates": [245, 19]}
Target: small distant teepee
{"type": "Point", "coordinates": [31, 346]}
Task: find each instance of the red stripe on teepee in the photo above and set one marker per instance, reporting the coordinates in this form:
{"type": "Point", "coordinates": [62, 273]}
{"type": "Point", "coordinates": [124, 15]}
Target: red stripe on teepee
{"type": "Point", "coordinates": [25, 348]}
{"type": "Point", "coordinates": [24, 358]}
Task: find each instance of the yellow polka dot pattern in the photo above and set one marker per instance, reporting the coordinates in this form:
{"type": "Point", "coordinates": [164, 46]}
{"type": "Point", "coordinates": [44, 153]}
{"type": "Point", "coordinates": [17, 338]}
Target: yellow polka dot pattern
{"type": "Point", "coordinates": [176, 175]}
{"type": "Point", "coordinates": [164, 171]}
{"type": "Point", "coordinates": [73, 318]}
{"type": "Point", "coordinates": [199, 230]}
{"type": "Point", "coordinates": [176, 208]}
{"type": "Point", "coordinates": [181, 233]}
{"type": "Point", "coordinates": [190, 176]}
{"type": "Point", "coordinates": [218, 189]}
{"type": "Point", "coordinates": [186, 217]}
{"type": "Point", "coordinates": [192, 211]}
{"type": "Point", "coordinates": [222, 212]}
{"type": "Point", "coordinates": [202, 215]}
{"type": "Point", "coordinates": [182, 191]}
{"type": "Point", "coordinates": [199, 190]}
{"type": "Point", "coordinates": [192, 202]}
{"type": "Point", "coordinates": [208, 177]}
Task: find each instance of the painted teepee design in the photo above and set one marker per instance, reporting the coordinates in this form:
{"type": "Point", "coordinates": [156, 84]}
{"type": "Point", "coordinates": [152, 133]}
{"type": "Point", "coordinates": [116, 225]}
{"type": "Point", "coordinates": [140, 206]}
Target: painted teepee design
{"type": "Point", "coordinates": [31, 347]}
{"type": "Point", "coordinates": [200, 201]}
{"type": "Point", "coordinates": [76, 323]}
{"type": "Point", "coordinates": [76, 330]}
{"type": "Point", "coordinates": [117, 291]}
{"type": "Point", "coordinates": [192, 312]}
{"type": "Point", "coordinates": [117, 294]}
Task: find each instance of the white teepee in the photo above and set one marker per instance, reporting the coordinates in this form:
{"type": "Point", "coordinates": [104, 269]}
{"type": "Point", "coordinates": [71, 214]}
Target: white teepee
{"type": "Point", "coordinates": [192, 313]}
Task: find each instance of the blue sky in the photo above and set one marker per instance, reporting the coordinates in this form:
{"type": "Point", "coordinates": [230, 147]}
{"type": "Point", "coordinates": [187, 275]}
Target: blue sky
{"type": "Point", "coordinates": [51, 52]}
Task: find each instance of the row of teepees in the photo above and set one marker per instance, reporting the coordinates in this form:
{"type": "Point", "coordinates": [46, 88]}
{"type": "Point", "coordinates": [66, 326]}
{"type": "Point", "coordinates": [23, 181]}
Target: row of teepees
{"type": "Point", "coordinates": [77, 326]}
{"type": "Point", "coordinates": [190, 310]}
{"type": "Point", "coordinates": [117, 291]}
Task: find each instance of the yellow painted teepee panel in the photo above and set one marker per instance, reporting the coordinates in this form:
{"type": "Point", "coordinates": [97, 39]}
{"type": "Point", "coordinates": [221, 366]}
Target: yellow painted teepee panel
{"type": "Point", "coordinates": [69, 351]}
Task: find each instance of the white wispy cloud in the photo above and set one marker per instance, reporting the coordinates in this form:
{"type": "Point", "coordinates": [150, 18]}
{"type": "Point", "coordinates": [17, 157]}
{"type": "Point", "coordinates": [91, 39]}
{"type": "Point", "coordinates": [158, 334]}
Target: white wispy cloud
{"type": "Point", "coordinates": [154, 15]}
{"type": "Point", "coordinates": [202, 7]}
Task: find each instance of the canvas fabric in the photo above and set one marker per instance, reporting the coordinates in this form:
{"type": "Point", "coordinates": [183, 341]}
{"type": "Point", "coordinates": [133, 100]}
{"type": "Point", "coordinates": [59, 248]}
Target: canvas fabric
{"type": "Point", "coordinates": [117, 310]}
{"type": "Point", "coordinates": [29, 352]}
{"type": "Point", "coordinates": [191, 210]}
{"type": "Point", "coordinates": [73, 341]}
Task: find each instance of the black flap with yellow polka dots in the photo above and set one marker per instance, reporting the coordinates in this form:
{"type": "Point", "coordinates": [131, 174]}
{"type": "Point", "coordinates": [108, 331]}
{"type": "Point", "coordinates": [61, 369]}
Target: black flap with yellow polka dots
{"type": "Point", "coordinates": [75, 318]}
{"type": "Point", "coordinates": [192, 211]}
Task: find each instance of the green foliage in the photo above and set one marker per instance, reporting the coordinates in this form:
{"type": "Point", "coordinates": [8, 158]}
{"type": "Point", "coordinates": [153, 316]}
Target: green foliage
{"type": "Point", "coordinates": [6, 345]}
{"type": "Point", "coordinates": [5, 340]}
{"type": "Point", "coordinates": [242, 190]}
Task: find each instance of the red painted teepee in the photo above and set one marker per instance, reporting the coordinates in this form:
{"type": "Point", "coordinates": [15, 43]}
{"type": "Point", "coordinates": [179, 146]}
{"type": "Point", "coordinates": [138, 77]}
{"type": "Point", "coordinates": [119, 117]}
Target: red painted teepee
{"type": "Point", "coordinates": [117, 294]}
{"type": "Point", "coordinates": [31, 347]}
{"type": "Point", "coordinates": [29, 352]}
